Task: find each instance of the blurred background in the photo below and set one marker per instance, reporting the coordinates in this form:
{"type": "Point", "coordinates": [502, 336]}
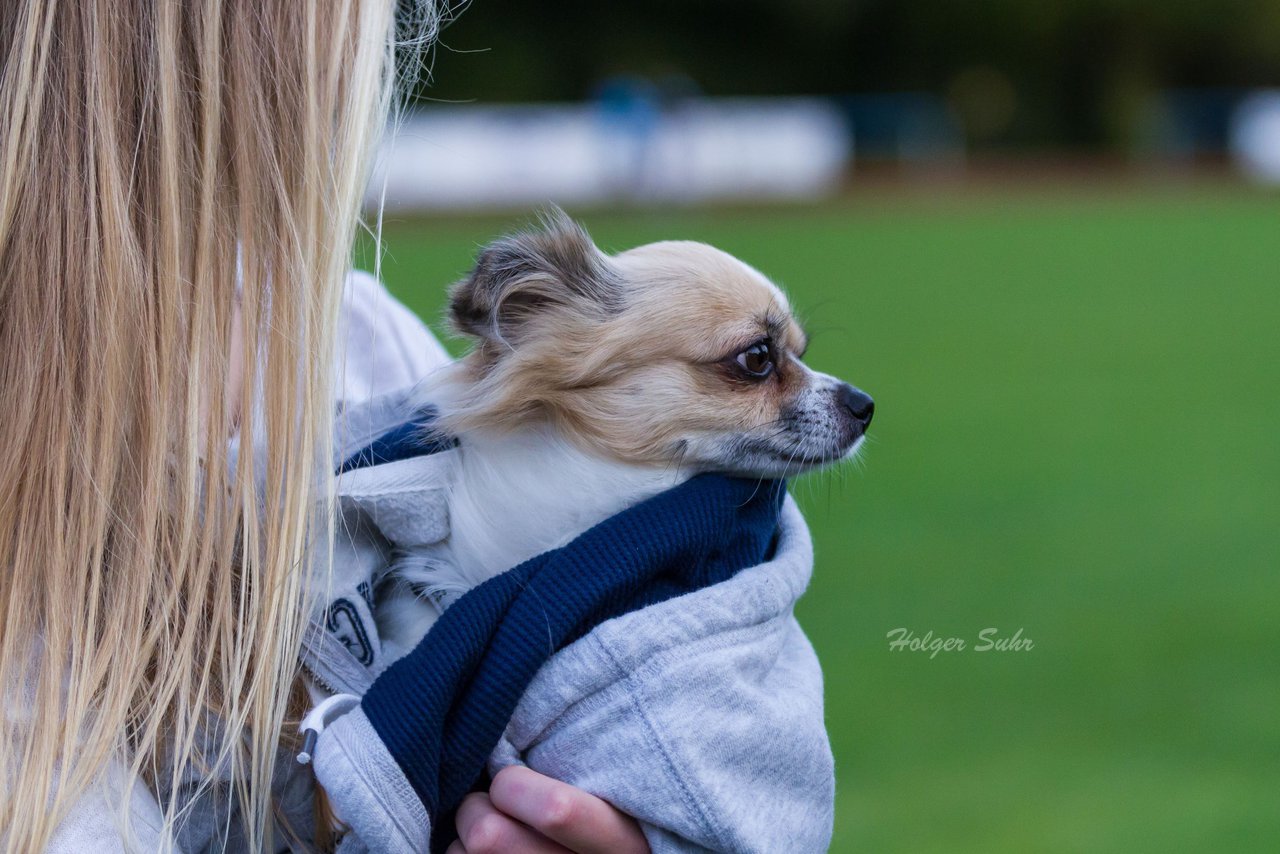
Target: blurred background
{"type": "Point", "coordinates": [1046, 237]}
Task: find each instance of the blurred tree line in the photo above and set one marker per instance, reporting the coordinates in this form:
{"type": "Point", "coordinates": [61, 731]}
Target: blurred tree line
{"type": "Point", "coordinates": [1060, 73]}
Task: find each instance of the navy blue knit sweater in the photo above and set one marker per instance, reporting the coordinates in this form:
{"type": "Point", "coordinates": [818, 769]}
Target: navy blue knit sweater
{"type": "Point", "coordinates": [442, 709]}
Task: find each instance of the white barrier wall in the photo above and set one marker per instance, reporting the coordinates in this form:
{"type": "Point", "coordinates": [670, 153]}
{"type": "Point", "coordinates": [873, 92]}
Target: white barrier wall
{"type": "Point", "coordinates": [463, 156]}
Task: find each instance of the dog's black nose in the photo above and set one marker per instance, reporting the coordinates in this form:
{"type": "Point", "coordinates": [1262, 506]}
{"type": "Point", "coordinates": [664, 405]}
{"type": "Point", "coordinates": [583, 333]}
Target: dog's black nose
{"type": "Point", "coordinates": [858, 402]}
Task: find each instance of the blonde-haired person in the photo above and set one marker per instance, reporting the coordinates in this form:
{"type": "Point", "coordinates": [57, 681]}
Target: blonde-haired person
{"type": "Point", "coordinates": [179, 184]}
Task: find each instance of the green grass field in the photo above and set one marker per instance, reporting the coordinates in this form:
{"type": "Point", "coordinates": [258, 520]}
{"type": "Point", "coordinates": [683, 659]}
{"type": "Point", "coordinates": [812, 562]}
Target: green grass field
{"type": "Point", "coordinates": [1075, 436]}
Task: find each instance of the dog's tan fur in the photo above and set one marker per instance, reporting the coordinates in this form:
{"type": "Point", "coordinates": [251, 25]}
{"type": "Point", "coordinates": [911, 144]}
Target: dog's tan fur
{"type": "Point", "coordinates": [631, 353]}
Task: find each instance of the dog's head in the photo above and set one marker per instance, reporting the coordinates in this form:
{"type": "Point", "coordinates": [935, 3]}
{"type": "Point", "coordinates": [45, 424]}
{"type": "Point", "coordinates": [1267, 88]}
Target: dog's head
{"type": "Point", "coordinates": [672, 353]}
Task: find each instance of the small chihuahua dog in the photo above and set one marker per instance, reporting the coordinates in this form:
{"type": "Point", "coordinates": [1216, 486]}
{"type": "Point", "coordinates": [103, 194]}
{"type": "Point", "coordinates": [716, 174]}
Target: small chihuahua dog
{"type": "Point", "coordinates": [598, 381]}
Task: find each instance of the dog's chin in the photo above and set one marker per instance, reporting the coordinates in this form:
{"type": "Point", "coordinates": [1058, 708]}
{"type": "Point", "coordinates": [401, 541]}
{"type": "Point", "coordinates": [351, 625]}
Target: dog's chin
{"type": "Point", "coordinates": [756, 461]}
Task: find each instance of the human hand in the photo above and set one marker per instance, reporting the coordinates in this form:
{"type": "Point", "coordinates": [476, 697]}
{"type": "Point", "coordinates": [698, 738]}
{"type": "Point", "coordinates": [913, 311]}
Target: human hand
{"type": "Point", "coordinates": [526, 811]}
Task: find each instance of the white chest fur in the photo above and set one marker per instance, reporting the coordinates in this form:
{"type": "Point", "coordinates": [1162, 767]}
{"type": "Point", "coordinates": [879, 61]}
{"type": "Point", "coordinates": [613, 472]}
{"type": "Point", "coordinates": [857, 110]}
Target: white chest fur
{"type": "Point", "coordinates": [515, 496]}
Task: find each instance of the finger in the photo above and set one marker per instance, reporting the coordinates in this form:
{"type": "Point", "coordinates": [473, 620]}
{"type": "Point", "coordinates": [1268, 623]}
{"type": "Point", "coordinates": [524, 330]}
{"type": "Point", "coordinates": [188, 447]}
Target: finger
{"type": "Point", "coordinates": [482, 829]}
{"type": "Point", "coordinates": [576, 819]}
{"type": "Point", "coordinates": [455, 847]}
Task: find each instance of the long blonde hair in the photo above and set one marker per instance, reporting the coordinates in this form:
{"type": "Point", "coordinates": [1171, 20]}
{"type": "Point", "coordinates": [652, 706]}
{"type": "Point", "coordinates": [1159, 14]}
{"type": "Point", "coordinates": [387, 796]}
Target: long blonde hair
{"type": "Point", "coordinates": [161, 160]}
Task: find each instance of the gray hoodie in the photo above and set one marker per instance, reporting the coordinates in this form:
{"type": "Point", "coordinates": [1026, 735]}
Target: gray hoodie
{"type": "Point", "coordinates": [700, 716]}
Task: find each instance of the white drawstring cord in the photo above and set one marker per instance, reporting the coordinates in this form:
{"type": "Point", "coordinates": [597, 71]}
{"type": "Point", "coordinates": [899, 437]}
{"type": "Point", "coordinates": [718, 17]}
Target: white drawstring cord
{"type": "Point", "coordinates": [319, 718]}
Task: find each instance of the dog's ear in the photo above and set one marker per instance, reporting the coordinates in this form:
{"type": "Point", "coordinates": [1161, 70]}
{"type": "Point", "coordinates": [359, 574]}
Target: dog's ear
{"type": "Point", "coordinates": [517, 278]}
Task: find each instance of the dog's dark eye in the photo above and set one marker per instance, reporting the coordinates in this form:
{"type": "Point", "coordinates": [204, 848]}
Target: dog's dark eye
{"type": "Point", "coordinates": [757, 360]}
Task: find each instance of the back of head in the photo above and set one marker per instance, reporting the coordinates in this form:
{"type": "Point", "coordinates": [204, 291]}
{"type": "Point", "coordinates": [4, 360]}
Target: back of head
{"type": "Point", "coordinates": [165, 167]}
